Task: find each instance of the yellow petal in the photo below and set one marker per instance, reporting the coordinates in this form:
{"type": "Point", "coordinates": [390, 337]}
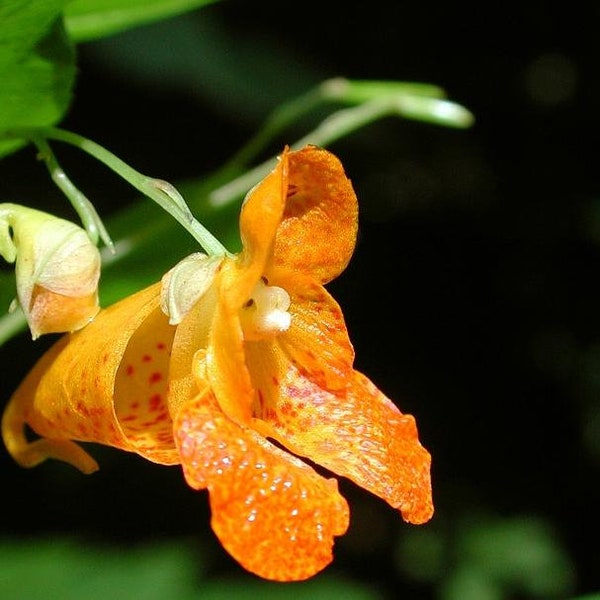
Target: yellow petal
{"type": "Point", "coordinates": [357, 433]}
{"type": "Point", "coordinates": [225, 358]}
{"type": "Point", "coordinates": [141, 390]}
{"type": "Point", "coordinates": [82, 388]}
{"type": "Point", "coordinates": [318, 231]}
{"type": "Point", "coordinates": [274, 514]}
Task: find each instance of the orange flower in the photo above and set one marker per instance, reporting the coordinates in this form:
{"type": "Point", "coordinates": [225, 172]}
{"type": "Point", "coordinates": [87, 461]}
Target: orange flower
{"type": "Point", "coordinates": [259, 353]}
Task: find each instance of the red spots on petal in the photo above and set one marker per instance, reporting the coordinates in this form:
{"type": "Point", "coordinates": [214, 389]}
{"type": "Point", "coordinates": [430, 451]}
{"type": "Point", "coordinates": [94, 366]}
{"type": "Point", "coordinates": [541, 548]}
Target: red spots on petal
{"type": "Point", "coordinates": [134, 405]}
{"type": "Point", "coordinates": [160, 346]}
{"type": "Point", "coordinates": [155, 402]}
{"type": "Point", "coordinates": [129, 370]}
{"type": "Point", "coordinates": [146, 358]}
{"type": "Point", "coordinates": [155, 377]}
{"type": "Point", "coordinates": [287, 409]}
{"type": "Point", "coordinates": [275, 381]}
{"type": "Point", "coordinates": [81, 408]}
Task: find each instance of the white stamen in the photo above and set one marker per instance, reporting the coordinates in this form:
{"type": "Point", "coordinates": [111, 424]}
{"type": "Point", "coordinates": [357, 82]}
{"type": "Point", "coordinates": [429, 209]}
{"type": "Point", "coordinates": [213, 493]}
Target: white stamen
{"type": "Point", "coordinates": [266, 312]}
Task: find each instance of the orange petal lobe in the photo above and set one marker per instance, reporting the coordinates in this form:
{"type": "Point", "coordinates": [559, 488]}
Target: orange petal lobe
{"type": "Point", "coordinates": [317, 341]}
{"type": "Point", "coordinates": [261, 214]}
{"type": "Point", "coordinates": [359, 434]}
{"type": "Point", "coordinates": [274, 514]}
{"type": "Point", "coordinates": [69, 394]}
{"type": "Point", "coordinates": [318, 231]}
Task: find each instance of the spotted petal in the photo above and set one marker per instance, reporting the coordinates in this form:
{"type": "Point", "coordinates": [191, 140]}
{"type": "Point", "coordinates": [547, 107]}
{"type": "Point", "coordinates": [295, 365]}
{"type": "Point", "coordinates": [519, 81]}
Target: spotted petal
{"type": "Point", "coordinates": [356, 433]}
{"type": "Point", "coordinates": [274, 514]}
{"type": "Point", "coordinates": [317, 234]}
{"type": "Point", "coordinates": [103, 384]}
{"type": "Point", "coordinates": [317, 341]}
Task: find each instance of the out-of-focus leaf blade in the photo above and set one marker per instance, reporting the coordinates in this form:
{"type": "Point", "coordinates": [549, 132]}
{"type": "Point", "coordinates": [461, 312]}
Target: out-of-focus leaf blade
{"type": "Point", "coordinates": [322, 587]}
{"type": "Point", "coordinates": [37, 66]}
{"type": "Point", "coordinates": [61, 569]}
{"type": "Point", "coordinates": [93, 19]}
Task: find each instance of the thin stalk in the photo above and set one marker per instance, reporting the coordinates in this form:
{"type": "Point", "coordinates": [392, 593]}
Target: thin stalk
{"type": "Point", "coordinates": [162, 192]}
{"type": "Point", "coordinates": [85, 209]}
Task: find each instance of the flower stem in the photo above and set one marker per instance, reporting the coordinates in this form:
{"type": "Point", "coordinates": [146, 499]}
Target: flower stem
{"type": "Point", "coordinates": [368, 101]}
{"type": "Point", "coordinates": [162, 192]}
{"type": "Point", "coordinates": [85, 209]}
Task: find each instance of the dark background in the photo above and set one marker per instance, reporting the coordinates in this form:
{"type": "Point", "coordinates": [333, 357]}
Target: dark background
{"type": "Point", "coordinates": [470, 299]}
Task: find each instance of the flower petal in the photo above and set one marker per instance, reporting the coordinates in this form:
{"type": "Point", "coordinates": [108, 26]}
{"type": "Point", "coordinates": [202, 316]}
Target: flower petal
{"type": "Point", "coordinates": [260, 217]}
{"type": "Point", "coordinates": [79, 389]}
{"type": "Point", "coordinates": [358, 433]}
{"type": "Point", "coordinates": [51, 312]}
{"type": "Point", "coordinates": [141, 390]}
{"type": "Point", "coordinates": [225, 358]}
{"type": "Point", "coordinates": [225, 361]}
{"type": "Point", "coordinates": [317, 341]}
{"type": "Point", "coordinates": [272, 513]}
{"type": "Point", "coordinates": [318, 231]}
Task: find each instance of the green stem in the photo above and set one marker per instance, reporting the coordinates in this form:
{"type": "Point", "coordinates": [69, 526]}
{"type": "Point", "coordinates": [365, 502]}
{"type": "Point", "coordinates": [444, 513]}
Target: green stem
{"type": "Point", "coordinates": [281, 118]}
{"type": "Point", "coordinates": [162, 192]}
{"type": "Point", "coordinates": [337, 89]}
{"type": "Point", "coordinates": [85, 209]}
{"type": "Point", "coordinates": [345, 121]}
{"type": "Point", "coordinates": [332, 128]}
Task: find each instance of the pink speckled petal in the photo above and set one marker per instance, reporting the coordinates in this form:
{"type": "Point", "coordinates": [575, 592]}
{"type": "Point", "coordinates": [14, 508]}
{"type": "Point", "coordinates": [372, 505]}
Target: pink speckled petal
{"type": "Point", "coordinates": [356, 433]}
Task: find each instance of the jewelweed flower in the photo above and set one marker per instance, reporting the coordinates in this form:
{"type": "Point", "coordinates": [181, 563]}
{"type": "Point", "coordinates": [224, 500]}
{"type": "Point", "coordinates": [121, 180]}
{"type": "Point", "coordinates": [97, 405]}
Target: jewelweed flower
{"type": "Point", "coordinates": [249, 385]}
{"type": "Point", "coordinates": [57, 269]}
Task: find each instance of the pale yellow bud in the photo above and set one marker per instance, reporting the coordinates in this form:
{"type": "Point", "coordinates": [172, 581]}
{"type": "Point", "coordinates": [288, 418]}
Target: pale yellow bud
{"type": "Point", "coordinates": [57, 269]}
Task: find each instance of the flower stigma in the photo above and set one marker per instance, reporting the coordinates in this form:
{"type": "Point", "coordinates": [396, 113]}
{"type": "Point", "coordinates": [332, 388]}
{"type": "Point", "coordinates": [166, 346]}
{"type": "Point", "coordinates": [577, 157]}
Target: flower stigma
{"type": "Point", "coordinates": [265, 314]}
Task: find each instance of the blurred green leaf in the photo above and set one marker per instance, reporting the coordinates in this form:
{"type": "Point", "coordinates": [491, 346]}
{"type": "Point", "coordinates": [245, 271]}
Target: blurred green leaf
{"type": "Point", "coordinates": [61, 569]}
{"type": "Point", "coordinates": [322, 587]}
{"type": "Point", "coordinates": [93, 19]}
{"type": "Point", "coordinates": [481, 557]}
{"type": "Point", "coordinates": [469, 583]}
{"type": "Point", "coordinates": [521, 553]}
{"type": "Point", "coordinates": [37, 66]}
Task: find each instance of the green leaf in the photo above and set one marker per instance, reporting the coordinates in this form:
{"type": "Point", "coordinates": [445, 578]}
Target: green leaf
{"type": "Point", "coordinates": [322, 587]}
{"type": "Point", "coordinates": [37, 66]}
{"type": "Point", "coordinates": [64, 569]}
{"type": "Point", "coordinates": [92, 19]}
